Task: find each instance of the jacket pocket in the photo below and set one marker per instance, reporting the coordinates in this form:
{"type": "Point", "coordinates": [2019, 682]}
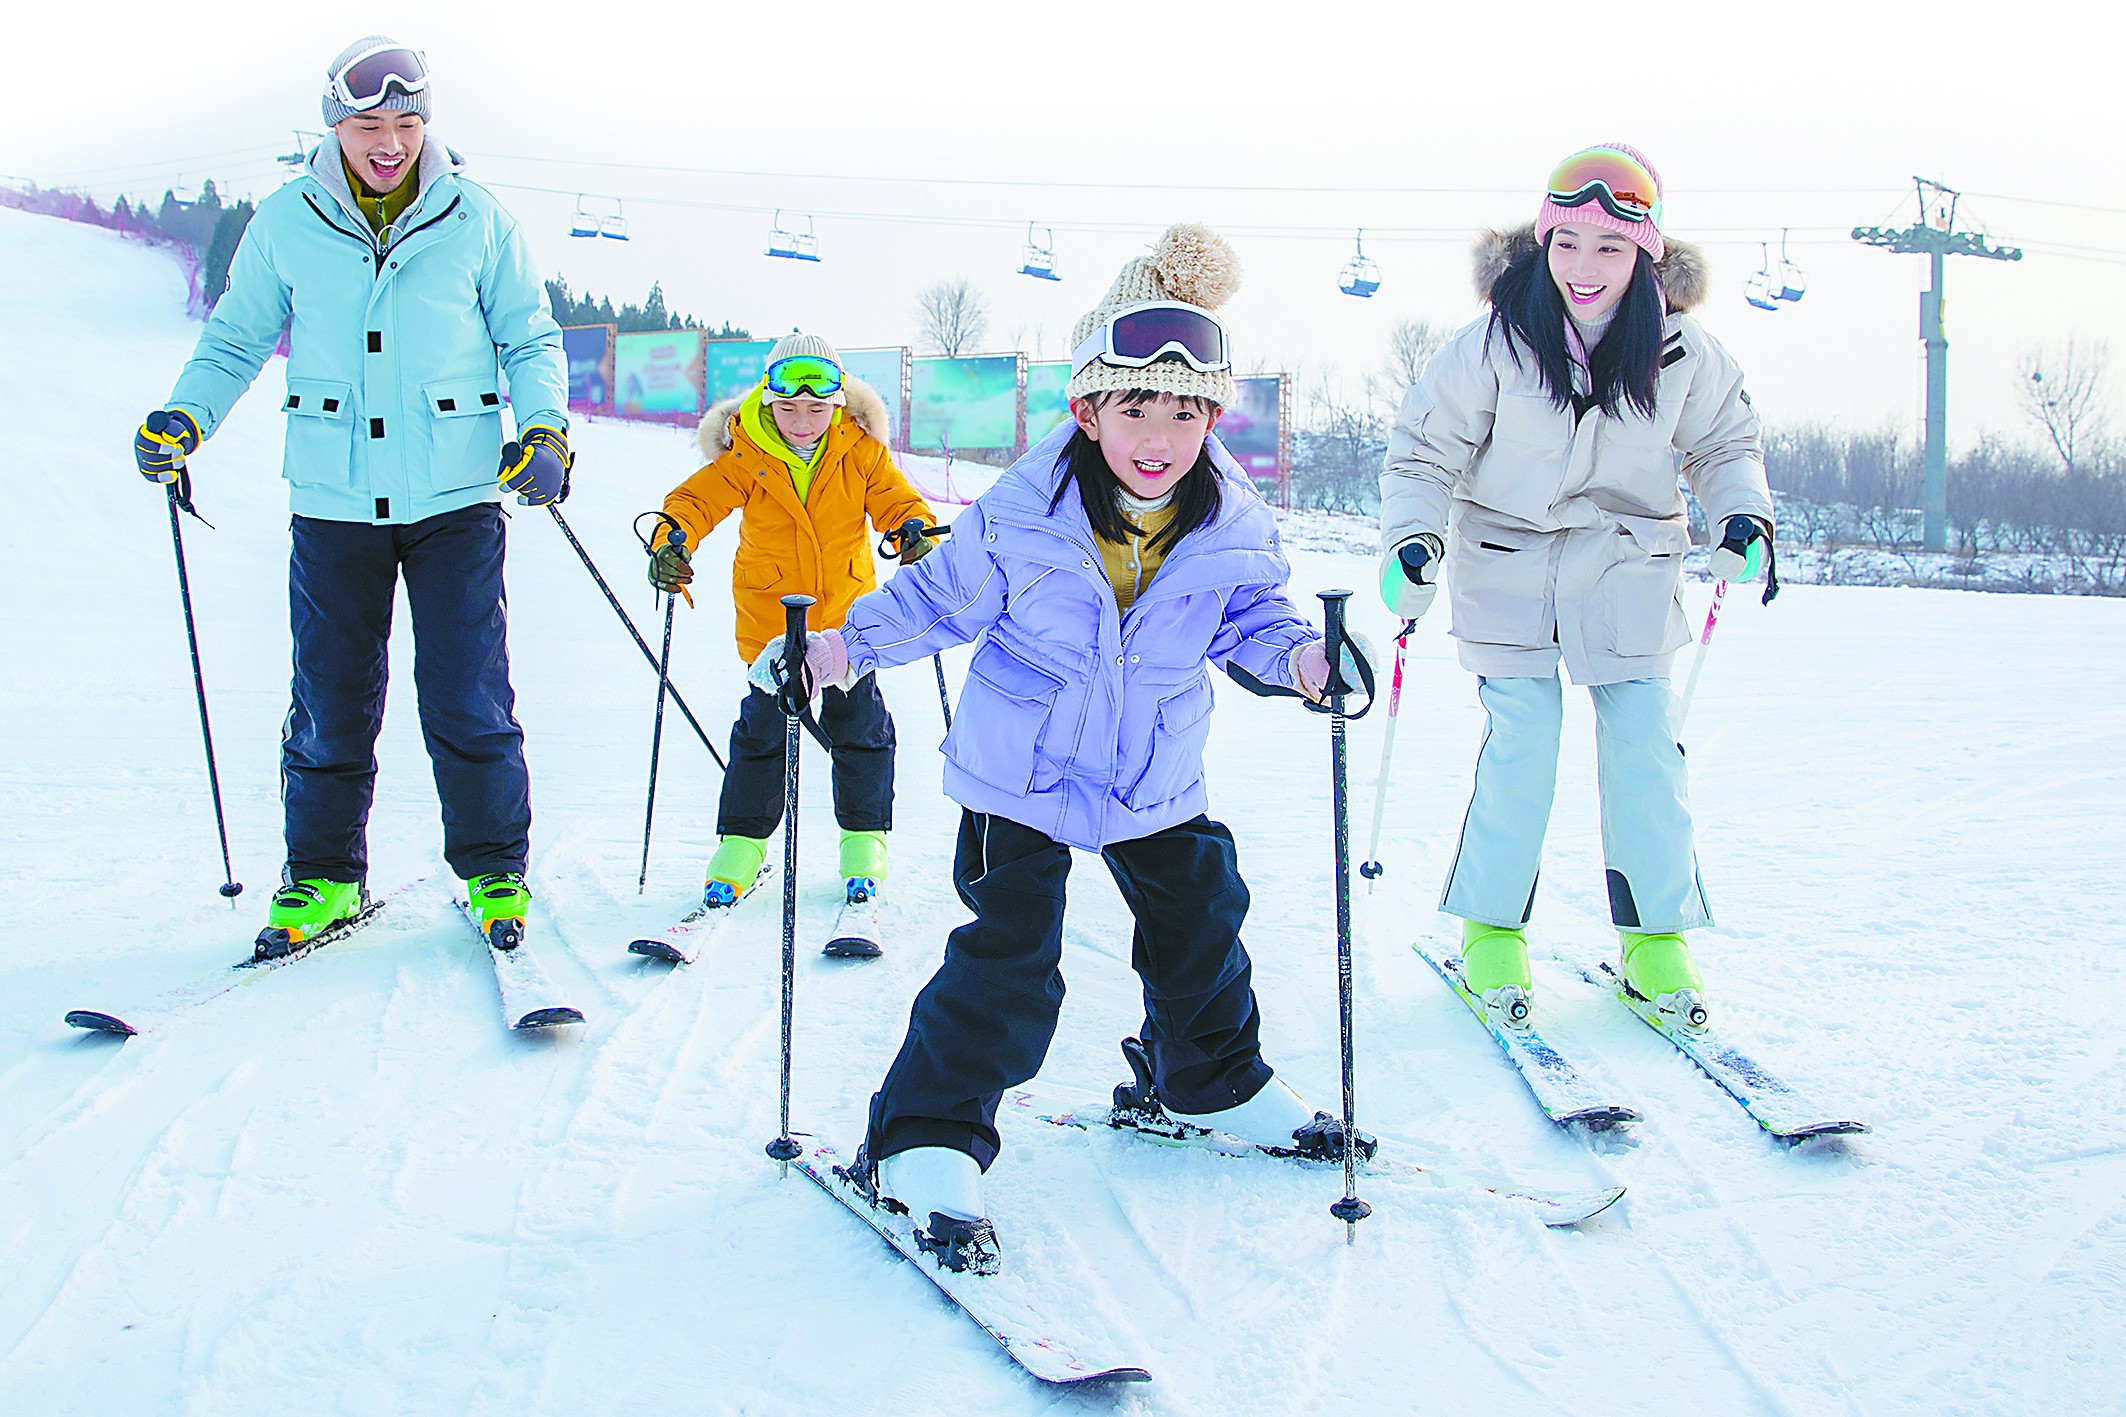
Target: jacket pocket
{"type": "Point", "coordinates": [1181, 728]}
{"type": "Point", "coordinates": [1498, 588]}
{"type": "Point", "coordinates": [464, 432]}
{"type": "Point", "coordinates": [998, 734]}
{"type": "Point", "coordinates": [1639, 596]}
{"type": "Point", "coordinates": [319, 451]}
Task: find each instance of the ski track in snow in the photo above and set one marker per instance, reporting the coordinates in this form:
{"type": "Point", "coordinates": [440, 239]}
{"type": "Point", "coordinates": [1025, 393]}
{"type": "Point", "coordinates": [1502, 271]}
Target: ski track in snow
{"type": "Point", "coordinates": [344, 1187]}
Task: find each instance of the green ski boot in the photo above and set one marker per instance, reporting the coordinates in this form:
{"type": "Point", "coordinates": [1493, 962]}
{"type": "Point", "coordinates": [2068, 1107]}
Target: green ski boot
{"type": "Point", "coordinates": [497, 903]}
{"type": "Point", "coordinates": [305, 910]}
{"type": "Point", "coordinates": [1658, 968]}
{"type": "Point", "coordinates": [733, 869]}
{"type": "Point", "coordinates": [863, 863]}
{"type": "Point", "coordinates": [1495, 969]}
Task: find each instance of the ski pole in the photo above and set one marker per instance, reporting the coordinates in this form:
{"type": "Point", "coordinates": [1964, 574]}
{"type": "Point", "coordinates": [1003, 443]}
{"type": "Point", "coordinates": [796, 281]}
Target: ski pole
{"type": "Point", "coordinates": [230, 888]}
{"type": "Point", "coordinates": [640, 643]}
{"type": "Point", "coordinates": [944, 694]}
{"type": "Point", "coordinates": [678, 539]}
{"type": "Point", "coordinates": [1371, 868]}
{"type": "Point", "coordinates": [890, 545]}
{"type": "Point", "coordinates": [1350, 1209]}
{"type": "Point", "coordinates": [796, 697]}
{"type": "Point", "coordinates": [1697, 663]}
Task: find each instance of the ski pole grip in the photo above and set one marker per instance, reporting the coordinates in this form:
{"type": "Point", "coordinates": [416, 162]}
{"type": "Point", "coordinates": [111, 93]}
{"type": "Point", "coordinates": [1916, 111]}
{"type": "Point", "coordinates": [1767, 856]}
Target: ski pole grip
{"type": "Point", "coordinates": [677, 538]}
{"type": "Point", "coordinates": [1332, 639]}
{"type": "Point", "coordinates": [793, 649]}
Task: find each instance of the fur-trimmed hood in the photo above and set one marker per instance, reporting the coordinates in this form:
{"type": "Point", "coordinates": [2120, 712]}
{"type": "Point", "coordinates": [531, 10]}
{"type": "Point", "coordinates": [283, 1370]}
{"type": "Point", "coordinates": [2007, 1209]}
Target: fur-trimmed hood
{"type": "Point", "coordinates": [865, 409]}
{"type": "Point", "coordinates": [1686, 276]}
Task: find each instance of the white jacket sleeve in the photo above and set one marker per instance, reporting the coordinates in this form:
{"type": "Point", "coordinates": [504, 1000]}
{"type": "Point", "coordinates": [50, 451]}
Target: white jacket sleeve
{"type": "Point", "coordinates": [1723, 452]}
{"type": "Point", "coordinates": [1444, 422]}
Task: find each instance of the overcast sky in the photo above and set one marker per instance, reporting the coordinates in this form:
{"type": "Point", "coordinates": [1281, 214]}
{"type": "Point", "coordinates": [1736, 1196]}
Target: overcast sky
{"type": "Point", "coordinates": [1287, 125]}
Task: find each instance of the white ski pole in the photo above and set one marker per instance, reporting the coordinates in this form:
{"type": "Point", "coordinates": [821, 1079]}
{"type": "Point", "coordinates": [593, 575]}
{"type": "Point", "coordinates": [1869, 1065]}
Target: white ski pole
{"type": "Point", "coordinates": [1371, 868]}
{"type": "Point", "coordinates": [1697, 664]}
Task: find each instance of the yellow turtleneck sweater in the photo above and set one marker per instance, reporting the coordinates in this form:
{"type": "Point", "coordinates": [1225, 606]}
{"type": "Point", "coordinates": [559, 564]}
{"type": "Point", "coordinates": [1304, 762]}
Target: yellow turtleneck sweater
{"type": "Point", "coordinates": [1130, 566]}
{"type": "Point", "coordinates": [382, 211]}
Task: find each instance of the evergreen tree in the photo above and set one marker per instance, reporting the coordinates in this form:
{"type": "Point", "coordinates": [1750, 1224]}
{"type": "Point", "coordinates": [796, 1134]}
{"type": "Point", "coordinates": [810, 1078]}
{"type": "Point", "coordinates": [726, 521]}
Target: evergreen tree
{"type": "Point", "coordinates": [214, 267]}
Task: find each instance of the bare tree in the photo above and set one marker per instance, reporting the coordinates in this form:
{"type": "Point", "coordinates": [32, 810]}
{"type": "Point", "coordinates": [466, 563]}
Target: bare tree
{"type": "Point", "coordinates": [951, 316]}
{"type": "Point", "coordinates": [1411, 345]}
{"type": "Point", "coordinates": [2061, 388]}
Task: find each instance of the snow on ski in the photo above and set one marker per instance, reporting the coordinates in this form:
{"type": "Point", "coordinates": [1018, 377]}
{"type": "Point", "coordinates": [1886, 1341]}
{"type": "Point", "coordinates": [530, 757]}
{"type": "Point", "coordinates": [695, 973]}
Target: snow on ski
{"type": "Point", "coordinates": [1563, 1092]}
{"type": "Point", "coordinates": [1014, 1326]}
{"type": "Point", "coordinates": [530, 999]}
{"type": "Point", "coordinates": [1778, 1108]}
{"type": "Point", "coordinates": [858, 931]}
{"type": "Point", "coordinates": [158, 1011]}
{"type": "Point", "coordinates": [683, 941]}
{"type": "Point", "coordinates": [1552, 1207]}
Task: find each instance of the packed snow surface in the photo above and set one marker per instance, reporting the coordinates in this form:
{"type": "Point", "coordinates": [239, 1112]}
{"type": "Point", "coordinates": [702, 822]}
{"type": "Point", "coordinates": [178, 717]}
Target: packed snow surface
{"type": "Point", "coordinates": [345, 1188]}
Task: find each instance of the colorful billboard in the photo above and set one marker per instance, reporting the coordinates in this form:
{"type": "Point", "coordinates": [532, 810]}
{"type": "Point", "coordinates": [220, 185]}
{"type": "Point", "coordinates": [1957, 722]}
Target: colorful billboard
{"type": "Point", "coordinates": [731, 367]}
{"type": "Point", "coordinates": [1253, 429]}
{"type": "Point", "coordinates": [1045, 404]}
{"type": "Point", "coordinates": [882, 370]}
{"type": "Point", "coordinates": [590, 366]}
{"type": "Point", "coordinates": [658, 373]}
{"type": "Point", "coordinates": [969, 403]}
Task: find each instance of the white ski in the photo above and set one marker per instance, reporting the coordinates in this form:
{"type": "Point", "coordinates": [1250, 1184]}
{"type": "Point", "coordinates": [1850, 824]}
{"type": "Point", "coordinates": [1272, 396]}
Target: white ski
{"type": "Point", "coordinates": [857, 929]}
{"type": "Point", "coordinates": [530, 1000]}
{"type": "Point", "coordinates": [683, 941]}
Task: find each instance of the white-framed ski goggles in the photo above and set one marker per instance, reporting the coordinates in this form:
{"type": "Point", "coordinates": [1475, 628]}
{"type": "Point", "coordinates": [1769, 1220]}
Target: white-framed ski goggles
{"type": "Point", "coordinates": [366, 80]}
{"type": "Point", "coordinates": [1146, 334]}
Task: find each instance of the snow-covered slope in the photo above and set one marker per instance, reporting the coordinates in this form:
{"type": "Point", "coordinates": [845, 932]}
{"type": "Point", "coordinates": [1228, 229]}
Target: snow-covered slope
{"type": "Point", "coordinates": [346, 1189]}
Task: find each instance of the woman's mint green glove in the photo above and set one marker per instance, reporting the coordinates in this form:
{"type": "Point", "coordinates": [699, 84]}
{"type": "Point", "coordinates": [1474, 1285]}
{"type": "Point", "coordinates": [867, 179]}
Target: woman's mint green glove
{"type": "Point", "coordinates": [1409, 576]}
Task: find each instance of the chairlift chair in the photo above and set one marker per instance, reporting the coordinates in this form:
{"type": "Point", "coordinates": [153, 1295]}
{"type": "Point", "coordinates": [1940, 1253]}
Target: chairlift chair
{"type": "Point", "coordinates": [1360, 276]}
{"type": "Point", "coordinates": [1761, 289]}
{"type": "Point", "coordinates": [614, 226]}
{"type": "Point", "coordinates": [792, 244]}
{"type": "Point", "coordinates": [1791, 284]}
{"type": "Point", "coordinates": [1040, 259]}
{"type": "Point", "coordinates": [585, 224]}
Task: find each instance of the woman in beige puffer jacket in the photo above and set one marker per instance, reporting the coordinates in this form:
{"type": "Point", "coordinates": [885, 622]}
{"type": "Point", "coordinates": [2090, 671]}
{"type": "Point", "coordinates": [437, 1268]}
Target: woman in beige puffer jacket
{"type": "Point", "coordinates": [1539, 456]}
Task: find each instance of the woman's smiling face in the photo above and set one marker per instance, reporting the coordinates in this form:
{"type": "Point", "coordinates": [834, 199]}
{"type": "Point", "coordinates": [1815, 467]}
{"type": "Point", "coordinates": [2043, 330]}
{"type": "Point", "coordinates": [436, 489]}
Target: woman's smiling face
{"type": "Point", "coordinates": [1592, 266]}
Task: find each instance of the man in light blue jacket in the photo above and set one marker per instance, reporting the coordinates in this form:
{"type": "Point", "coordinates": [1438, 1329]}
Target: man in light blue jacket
{"type": "Point", "coordinates": [412, 311]}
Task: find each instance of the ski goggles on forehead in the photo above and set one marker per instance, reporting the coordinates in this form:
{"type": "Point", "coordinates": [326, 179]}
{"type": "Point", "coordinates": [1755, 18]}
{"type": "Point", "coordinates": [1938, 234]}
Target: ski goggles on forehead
{"type": "Point", "coordinates": [1150, 333]}
{"type": "Point", "coordinates": [804, 376]}
{"type": "Point", "coordinates": [366, 80]}
{"type": "Point", "coordinates": [1619, 181]}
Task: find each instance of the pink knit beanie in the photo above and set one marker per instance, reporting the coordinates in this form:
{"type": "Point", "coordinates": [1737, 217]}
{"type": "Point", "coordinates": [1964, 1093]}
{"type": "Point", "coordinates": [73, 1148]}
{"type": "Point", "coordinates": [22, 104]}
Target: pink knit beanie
{"type": "Point", "coordinates": [1646, 233]}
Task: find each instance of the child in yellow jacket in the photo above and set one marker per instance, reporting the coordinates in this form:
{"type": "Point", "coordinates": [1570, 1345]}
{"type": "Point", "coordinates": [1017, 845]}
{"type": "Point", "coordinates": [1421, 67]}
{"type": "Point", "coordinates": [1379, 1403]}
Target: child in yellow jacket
{"type": "Point", "coordinates": [804, 456]}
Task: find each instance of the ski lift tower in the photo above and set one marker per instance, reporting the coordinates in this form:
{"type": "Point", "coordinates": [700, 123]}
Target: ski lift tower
{"type": "Point", "coordinates": [1935, 236]}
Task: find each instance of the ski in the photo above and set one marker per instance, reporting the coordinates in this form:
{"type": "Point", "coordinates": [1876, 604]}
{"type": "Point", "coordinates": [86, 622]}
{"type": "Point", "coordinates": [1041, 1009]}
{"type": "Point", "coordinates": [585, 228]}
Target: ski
{"type": "Point", "coordinates": [1552, 1207]}
{"type": "Point", "coordinates": [999, 1313]}
{"type": "Point", "coordinates": [158, 1011]}
{"type": "Point", "coordinates": [1778, 1108]}
{"type": "Point", "coordinates": [683, 941]}
{"type": "Point", "coordinates": [529, 998]}
{"type": "Point", "coordinates": [858, 933]}
{"type": "Point", "coordinates": [1563, 1092]}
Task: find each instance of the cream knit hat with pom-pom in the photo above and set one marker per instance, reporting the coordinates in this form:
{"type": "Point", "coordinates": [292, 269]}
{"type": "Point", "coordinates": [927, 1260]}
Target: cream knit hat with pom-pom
{"type": "Point", "coordinates": [1191, 264]}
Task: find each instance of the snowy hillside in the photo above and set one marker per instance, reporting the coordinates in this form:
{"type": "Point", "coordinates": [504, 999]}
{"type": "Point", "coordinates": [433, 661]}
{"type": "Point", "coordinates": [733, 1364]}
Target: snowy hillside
{"type": "Point", "coordinates": [345, 1188]}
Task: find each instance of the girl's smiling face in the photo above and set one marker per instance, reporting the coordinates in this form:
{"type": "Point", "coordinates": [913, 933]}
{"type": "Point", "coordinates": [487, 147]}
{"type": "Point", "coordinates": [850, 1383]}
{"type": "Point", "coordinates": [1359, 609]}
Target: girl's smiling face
{"type": "Point", "coordinates": [1592, 266]}
{"type": "Point", "coordinates": [1149, 446]}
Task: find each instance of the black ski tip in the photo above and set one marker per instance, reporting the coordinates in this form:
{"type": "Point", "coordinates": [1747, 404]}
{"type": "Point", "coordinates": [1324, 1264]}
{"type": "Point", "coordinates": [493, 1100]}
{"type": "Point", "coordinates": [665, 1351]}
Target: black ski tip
{"type": "Point", "coordinates": [1109, 1375]}
{"type": "Point", "coordinates": [852, 947]}
{"type": "Point", "coordinates": [657, 949]}
{"type": "Point", "coordinates": [1601, 1119]}
{"type": "Point", "coordinates": [100, 1023]}
{"type": "Point", "coordinates": [1794, 1134]}
{"type": "Point", "coordinates": [548, 1018]}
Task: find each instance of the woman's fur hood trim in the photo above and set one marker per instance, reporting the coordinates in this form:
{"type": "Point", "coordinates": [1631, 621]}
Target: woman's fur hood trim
{"type": "Point", "coordinates": [865, 409]}
{"type": "Point", "coordinates": [1686, 276]}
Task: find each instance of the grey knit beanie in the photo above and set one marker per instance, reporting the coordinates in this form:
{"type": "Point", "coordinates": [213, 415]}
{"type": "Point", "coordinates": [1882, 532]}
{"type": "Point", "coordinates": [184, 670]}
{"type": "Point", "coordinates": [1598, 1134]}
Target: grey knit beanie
{"type": "Point", "coordinates": [793, 344]}
{"type": "Point", "coordinates": [337, 112]}
{"type": "Point", "coordinates": [1191, 264]}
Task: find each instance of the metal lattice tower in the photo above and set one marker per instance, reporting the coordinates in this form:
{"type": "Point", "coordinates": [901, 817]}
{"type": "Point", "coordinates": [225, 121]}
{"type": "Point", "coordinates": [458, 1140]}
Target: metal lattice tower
{"type": "Point", "coordinates": [1935, 236]}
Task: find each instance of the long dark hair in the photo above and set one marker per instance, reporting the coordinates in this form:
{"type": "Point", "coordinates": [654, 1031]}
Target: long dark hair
{"type": "Point", "coordinates": [1196, 495]}
{"type": "Point", "coordinates": [1528, 310]}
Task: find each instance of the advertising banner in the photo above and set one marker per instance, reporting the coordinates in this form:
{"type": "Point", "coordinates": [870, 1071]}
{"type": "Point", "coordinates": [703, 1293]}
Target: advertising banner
{"type": "Point", "coordinates": [658, 373]}
{"type": "Point", "coordinates": [1045, 404]}
{"type": "Point", "coordinates": [1252, 429]}
{"type": "Point", "coordinates": [731, 367]}
{"type": "Point", "coordinates": [590, 366]}
{"type": "Point", "coordinates": [881, 369]}
{"type": "Point", "coordinates": [968, 403]}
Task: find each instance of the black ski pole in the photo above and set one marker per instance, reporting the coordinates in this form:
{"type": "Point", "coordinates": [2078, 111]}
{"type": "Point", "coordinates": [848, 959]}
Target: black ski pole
{"type": "Point", "coordinates": [640, 643]}
{"type": "Point", "coordinates": [1350, 1209]}
{"type": "Point", "coordinates": [944, 694]}
{"type": "Point", "coordinates": [677, 538]}
{"type": "Point", "coordinates": [230, 888]}
{"type": "Point", "coordinates": [890, 545]}
{"type": "Point", "coordinates": [796, 698]}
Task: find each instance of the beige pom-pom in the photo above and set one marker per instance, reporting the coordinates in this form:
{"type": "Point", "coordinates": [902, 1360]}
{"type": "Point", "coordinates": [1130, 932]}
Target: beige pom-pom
{"type": "Point", "coordinates": [1196, 265]}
